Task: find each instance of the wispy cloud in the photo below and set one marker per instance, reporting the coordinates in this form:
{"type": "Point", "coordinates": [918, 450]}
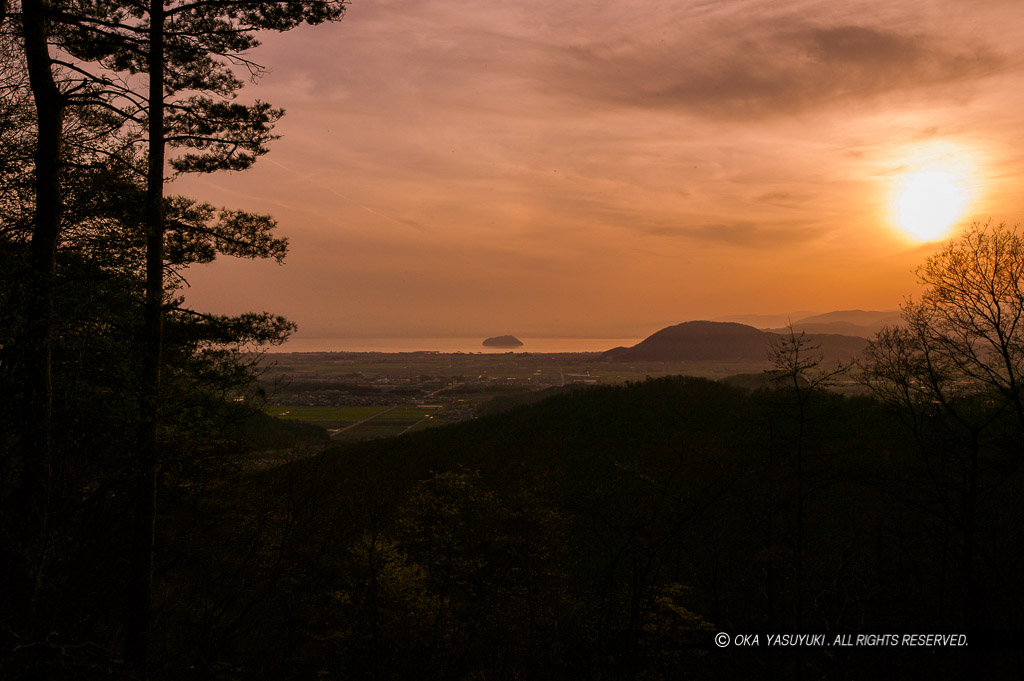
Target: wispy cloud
{"type": "Point", "coordinates": [449, 163]}
{"type": "Point", "coordinates": [745, 235]}
{"type": "Point", "coordinates": [761, 70]}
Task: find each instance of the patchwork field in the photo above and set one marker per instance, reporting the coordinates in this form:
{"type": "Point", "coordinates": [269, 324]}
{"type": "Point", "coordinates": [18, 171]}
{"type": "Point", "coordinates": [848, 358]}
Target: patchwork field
{"type": "Point", "coordinates": [360, 396]}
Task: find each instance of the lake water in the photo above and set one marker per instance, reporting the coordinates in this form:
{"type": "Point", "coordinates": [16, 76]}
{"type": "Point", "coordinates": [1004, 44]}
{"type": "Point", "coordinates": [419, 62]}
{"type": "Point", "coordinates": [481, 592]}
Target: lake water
{"type": "Point", "coordinates": [450, 345]}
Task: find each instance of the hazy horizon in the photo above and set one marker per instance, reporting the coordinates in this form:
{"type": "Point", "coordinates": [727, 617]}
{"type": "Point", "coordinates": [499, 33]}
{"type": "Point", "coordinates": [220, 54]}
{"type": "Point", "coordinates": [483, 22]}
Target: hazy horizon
{"type": "Point", "coordinates": [601, 169]}
{"type": "Point", "coordinates": [533, 342]}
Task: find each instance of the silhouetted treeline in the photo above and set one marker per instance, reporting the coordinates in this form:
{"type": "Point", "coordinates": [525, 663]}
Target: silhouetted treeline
{"type": "Point", "coordinates": [117, 390]}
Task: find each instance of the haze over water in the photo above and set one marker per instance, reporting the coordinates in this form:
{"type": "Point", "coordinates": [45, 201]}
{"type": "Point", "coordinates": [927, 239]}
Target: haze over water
{"type": "Point", "coordinates": [544, 345]}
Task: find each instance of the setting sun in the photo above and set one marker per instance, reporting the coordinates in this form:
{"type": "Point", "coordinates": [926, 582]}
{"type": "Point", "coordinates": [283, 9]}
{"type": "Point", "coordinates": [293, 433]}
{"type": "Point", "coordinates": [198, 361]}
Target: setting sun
{"type": "Point", "coordinates": [933, 194]}
{"type": "Point", "coordinates": [929, 203]}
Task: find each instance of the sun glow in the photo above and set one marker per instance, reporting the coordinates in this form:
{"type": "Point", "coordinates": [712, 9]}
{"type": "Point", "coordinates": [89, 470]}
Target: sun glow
{"type": "Point", "coordinates": [933, 194]}
{"type": "Point", "coordinates": [929, 202]}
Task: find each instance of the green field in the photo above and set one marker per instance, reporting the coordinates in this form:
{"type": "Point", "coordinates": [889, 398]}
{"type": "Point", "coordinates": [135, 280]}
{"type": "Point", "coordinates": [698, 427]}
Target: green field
{"type": "Point", "coordinates": [324, 413]}
{"type": "Point", "coordinates": [352, 414]}
{"type": "Point", "coordinates": [457, 383]}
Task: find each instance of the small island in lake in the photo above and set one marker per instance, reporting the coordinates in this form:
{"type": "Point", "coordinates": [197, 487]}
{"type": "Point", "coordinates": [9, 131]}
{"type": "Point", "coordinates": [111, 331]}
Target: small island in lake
{"type": "Point", "coordinates": [503, 342]}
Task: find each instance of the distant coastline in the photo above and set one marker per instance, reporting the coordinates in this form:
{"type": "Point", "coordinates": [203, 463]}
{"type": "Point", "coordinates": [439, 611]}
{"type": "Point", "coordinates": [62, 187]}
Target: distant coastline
{"type": "Point", "coordinates": [539, 345]}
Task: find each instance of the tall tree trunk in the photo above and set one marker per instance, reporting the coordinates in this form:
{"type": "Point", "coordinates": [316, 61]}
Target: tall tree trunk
{"type": "Point", "coordinates": [34, 494]}
{"type": "Point", "coordinates": [141, 590]}
{"type": "Point", "coordinates": [970, 507]}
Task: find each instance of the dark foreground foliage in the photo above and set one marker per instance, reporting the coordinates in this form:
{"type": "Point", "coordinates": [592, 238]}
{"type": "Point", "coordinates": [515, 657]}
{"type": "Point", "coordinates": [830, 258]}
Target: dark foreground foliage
{"type": "Point", "coordinates": [603, 534]}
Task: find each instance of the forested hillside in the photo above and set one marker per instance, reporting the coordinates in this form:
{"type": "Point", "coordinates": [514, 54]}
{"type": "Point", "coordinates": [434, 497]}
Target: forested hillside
{"type": "Point", "coordinates": [607, 533]}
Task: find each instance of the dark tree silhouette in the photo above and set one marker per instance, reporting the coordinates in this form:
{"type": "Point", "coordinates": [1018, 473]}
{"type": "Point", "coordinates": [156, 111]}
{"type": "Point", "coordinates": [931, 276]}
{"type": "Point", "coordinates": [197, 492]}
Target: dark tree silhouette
{"type": "Point", "coordinates": [955, 370]}
{"type": "Point", "coordinates": [184, 47]}
{"type": "Point", "coordinates": [157, 75]}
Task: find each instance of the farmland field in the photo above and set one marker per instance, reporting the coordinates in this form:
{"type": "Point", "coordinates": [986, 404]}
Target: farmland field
{"type": "Point", "coordinates": [357, 396]}
{"type": "Point", "coordinates": [300, 413]}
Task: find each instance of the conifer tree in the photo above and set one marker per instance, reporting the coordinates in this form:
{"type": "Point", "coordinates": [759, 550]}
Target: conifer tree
{"type": "Point", "coordinates": [160, 75]}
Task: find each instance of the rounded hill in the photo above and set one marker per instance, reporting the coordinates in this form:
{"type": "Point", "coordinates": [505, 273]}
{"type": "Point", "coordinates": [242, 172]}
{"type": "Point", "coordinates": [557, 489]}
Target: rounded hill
{"type": "Point", "coordinates": [691, 341]}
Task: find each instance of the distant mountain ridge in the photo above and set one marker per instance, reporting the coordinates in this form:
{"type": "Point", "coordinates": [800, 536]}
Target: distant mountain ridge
{"type": "Point", "coordinates": [725, 341]}
{"type": "Point", "coordinates": [863, 323]}
{"type": "Point", "coordinates": [763, 321]}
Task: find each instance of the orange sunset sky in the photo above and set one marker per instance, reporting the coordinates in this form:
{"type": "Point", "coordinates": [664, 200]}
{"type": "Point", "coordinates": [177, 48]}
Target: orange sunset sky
{"type": "Point", "coordinates": [604, 169]}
